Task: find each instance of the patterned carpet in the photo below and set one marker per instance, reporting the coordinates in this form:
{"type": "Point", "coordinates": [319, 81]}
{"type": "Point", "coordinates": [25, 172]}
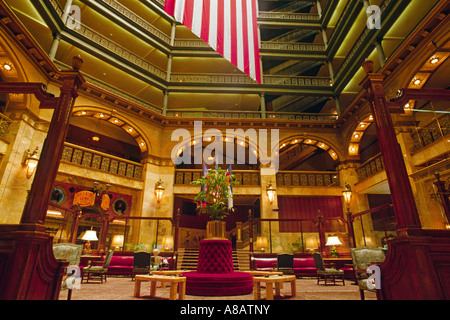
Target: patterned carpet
{"type": "Point", "coordinates": [118, 288]}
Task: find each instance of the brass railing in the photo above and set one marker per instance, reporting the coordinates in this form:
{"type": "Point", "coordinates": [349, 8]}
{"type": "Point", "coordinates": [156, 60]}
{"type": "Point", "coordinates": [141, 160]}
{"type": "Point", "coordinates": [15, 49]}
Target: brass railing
{"type": "Point", "coordinates": [97, 160]}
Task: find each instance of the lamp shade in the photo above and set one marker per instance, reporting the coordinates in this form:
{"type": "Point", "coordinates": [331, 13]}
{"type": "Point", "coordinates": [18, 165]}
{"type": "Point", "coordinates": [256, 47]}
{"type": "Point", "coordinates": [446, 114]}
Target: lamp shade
{"type": "Point", "coordinates": [90, 235]}
{"type": "Point", "coordinates": [333, 241]}
{"type": "Point", "coordinates": [261, 243]}
{"type": "Point", "coordinates": [167, 242]}
{"type": "Point", "coordinates": [117, 240]}
{"type": "Point", "coordinates": [311, 243]}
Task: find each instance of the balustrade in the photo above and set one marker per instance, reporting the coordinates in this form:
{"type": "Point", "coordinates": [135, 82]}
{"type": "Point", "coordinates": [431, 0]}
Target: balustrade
{"type": "Point", "coordinates": [96, 160]}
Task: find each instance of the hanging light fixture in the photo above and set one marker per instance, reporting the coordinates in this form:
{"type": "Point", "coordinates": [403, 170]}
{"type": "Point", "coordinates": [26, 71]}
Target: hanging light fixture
{"type": "Point", "coordinates": [271, 192]}
{"type": "Point", "coordinates": [159, 191]}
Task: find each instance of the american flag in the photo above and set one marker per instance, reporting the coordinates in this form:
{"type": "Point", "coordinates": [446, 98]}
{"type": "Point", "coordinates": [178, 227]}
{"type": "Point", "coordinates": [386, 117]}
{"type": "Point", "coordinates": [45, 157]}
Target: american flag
{"type": "Point", "coordinates": [228, 26]}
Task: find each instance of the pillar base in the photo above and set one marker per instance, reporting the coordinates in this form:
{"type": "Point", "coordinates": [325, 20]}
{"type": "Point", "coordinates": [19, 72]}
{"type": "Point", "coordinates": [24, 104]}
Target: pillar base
{"type": "Point", "coordinates": [28, 268]}
{"type": "Point", "coordinates": [417, 266]}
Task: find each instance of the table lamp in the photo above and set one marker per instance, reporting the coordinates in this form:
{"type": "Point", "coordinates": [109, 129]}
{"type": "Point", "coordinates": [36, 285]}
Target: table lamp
{"type": "Point", "coordinates": [90, 235]}
{"type": "Point", "coordinates": [117, 241]}
{"type": "Point", "coordinates": [167, 242]}
{"type": "Point", "coordinates": [262, 243]}
{"type": "Point", "coordinates": [311, 244]}
{"type": "Point", "coordinates": [333, 241]}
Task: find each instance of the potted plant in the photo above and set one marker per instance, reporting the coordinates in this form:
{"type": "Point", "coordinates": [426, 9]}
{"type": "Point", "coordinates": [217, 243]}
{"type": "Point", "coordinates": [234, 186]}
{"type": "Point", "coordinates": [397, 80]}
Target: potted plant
{"type": "Point", "coordinates": [214, 200]}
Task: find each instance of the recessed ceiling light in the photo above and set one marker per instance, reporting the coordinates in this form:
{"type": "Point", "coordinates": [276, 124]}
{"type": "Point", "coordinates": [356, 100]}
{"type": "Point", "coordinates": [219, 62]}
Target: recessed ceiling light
{"type": "Point", "coordinates": [417, 81]}
{"type": "Point", "coordinates": [434, 60]}
{"type": "Point", "coordinates": [7, 67]}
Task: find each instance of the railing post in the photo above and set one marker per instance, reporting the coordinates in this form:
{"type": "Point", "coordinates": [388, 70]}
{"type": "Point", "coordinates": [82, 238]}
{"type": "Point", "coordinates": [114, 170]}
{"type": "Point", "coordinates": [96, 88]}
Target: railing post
{"type": "Point", "coordinates": [250, 230]}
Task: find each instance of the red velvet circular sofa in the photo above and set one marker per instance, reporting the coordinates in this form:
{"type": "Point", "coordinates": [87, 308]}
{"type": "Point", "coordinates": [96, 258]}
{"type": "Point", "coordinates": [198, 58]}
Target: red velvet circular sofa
{"type": "Point", "coordinates": [215, 275]}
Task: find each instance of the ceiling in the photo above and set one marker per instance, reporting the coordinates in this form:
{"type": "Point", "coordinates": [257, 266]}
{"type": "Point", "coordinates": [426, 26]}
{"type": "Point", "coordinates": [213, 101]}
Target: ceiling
{"type": "Point", "coordinates": [108, 24]}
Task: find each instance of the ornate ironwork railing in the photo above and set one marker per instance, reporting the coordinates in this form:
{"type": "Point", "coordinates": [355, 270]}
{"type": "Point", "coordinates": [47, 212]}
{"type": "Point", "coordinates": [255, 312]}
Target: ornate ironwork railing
{"type": "Point", "coordinates": [436, 130]}
{"type": "Point", "coordinates": [97, 160]}
{"type": "Point", "coordinates": [308, 178]}
{"type": "Point", "coordinates": [243, 177]}
{"type": "Point", "coordinates": [4, 124]}
{"type": "Point", "coordinates": [370, 167]}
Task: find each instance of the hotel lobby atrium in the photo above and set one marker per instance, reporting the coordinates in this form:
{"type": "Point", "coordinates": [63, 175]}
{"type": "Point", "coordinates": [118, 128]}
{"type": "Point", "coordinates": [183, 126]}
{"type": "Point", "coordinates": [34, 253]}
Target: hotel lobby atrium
{"type": "Point", "coordinates": [335, 165]}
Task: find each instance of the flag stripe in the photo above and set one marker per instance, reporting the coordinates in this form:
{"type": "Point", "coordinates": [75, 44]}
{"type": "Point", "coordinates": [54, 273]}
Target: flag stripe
{"type": "Point", "coordinates": [233, 30]}
{"type": "Point", "coordinates": [188, 13]}
{"type": "Point", "coordinates": [256, 42]}
{"type": "Point", "coordinates": [245, 37]}
{"type": "Point", "coordinates": [205, 20]}
{"type": "Point", "coordinates": [228, 26]}
{"type": "Point", "coordinates": [220, 26]}
{"type": "Point", "coordinates": [213, 25]}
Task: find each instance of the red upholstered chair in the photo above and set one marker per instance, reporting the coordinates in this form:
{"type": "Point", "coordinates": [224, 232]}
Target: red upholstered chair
{"type": "Point", "coordinates": [215, 275]}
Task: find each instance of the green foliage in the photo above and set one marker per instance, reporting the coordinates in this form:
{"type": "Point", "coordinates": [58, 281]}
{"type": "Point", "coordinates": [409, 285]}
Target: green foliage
{"type": "Point", "coordinates": [297, 246]}
{"type": "Point", "coordinates": [213, 197]}
{"type": "Point", "coordinates": [135, 247]}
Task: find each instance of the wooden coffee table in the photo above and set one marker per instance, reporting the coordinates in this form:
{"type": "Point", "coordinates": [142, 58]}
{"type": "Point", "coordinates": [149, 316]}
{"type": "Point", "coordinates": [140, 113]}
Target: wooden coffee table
{"type": "Point", "coordinates": [177, 285]}
{"type": "Point", "coordinates": [167, 273]}
{"type": "Point", "coordinates": [270, 281]}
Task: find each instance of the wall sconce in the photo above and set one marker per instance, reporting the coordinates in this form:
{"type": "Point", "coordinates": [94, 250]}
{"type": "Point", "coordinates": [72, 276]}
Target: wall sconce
{"type": "Point", "coordinates": [159, 191]}
{"type": "Point", "coordinates": [347, 193]}
{"type": "Point", "coordinates": [271, 192]}
{"type": "Point", "coordinates": [30, 160]}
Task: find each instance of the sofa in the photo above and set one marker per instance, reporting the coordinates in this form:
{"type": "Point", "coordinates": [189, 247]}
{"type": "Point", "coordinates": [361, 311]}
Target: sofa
{"type": "Point", "coordinates": [122, 262]}
{"type": "Point", "coordinates": [263, 261]}
{"type": "Point", "coordinates": [304, 265]}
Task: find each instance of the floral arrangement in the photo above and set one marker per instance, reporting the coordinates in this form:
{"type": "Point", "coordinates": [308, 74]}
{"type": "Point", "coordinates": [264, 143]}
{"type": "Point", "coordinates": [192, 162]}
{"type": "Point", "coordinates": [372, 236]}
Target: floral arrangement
{"type": "Point", "coordinates": [215, 196]}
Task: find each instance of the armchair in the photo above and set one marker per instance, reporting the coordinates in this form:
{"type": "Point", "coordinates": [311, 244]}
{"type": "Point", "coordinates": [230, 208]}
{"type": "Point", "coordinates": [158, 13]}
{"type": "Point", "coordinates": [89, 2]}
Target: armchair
{"type": "Point", "coordinates": [72, 253]}
{"type": "Point", "coordinates": [100, 271]}
{"type": "Point", "coordinates": [362, 257]}
{"type": "Point", "coordinates": [141, 262]}
{"type": "Point", "coordinates": [327, 273]}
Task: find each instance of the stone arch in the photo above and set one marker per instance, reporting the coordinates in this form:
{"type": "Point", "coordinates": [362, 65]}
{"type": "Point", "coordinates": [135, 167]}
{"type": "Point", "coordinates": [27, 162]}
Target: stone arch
{"type": "Point", "coordinates": [251, 146]}
{"type": "Point", "coordinates": [290, 143]}
{"type": "Point", "coordinates": [118, 120]}
{"type": "Point", "coordinates": [355, 135]}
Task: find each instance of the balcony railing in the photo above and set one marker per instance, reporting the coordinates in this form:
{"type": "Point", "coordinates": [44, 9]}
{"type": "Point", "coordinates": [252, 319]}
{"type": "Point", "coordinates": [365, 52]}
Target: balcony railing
{"type": "Point", "coordinates": [100, 161]}
{"type": "Point", "coordinates": [4, 124]}
{"type": "Point", "coordinates": [243, 177]}
{"type": "Point", "coordinates": [308, 178]}
{"type": "Point", "coordinates": [370, 167]}
{"type": "Point", "coordinates": [288, 16]}
{"type": "Point", "coordinates": [435, 130]}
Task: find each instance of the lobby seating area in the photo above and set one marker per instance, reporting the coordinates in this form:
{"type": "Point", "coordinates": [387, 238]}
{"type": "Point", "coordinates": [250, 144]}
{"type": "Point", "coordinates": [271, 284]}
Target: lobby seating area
{"type": "Point", "coordinates": [303, 265]}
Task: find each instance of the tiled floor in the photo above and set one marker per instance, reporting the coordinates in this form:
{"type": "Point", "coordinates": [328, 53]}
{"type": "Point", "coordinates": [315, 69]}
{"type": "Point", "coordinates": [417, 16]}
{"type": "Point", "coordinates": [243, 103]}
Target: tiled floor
{"type": "Point", "coordinates": [123, 288]}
